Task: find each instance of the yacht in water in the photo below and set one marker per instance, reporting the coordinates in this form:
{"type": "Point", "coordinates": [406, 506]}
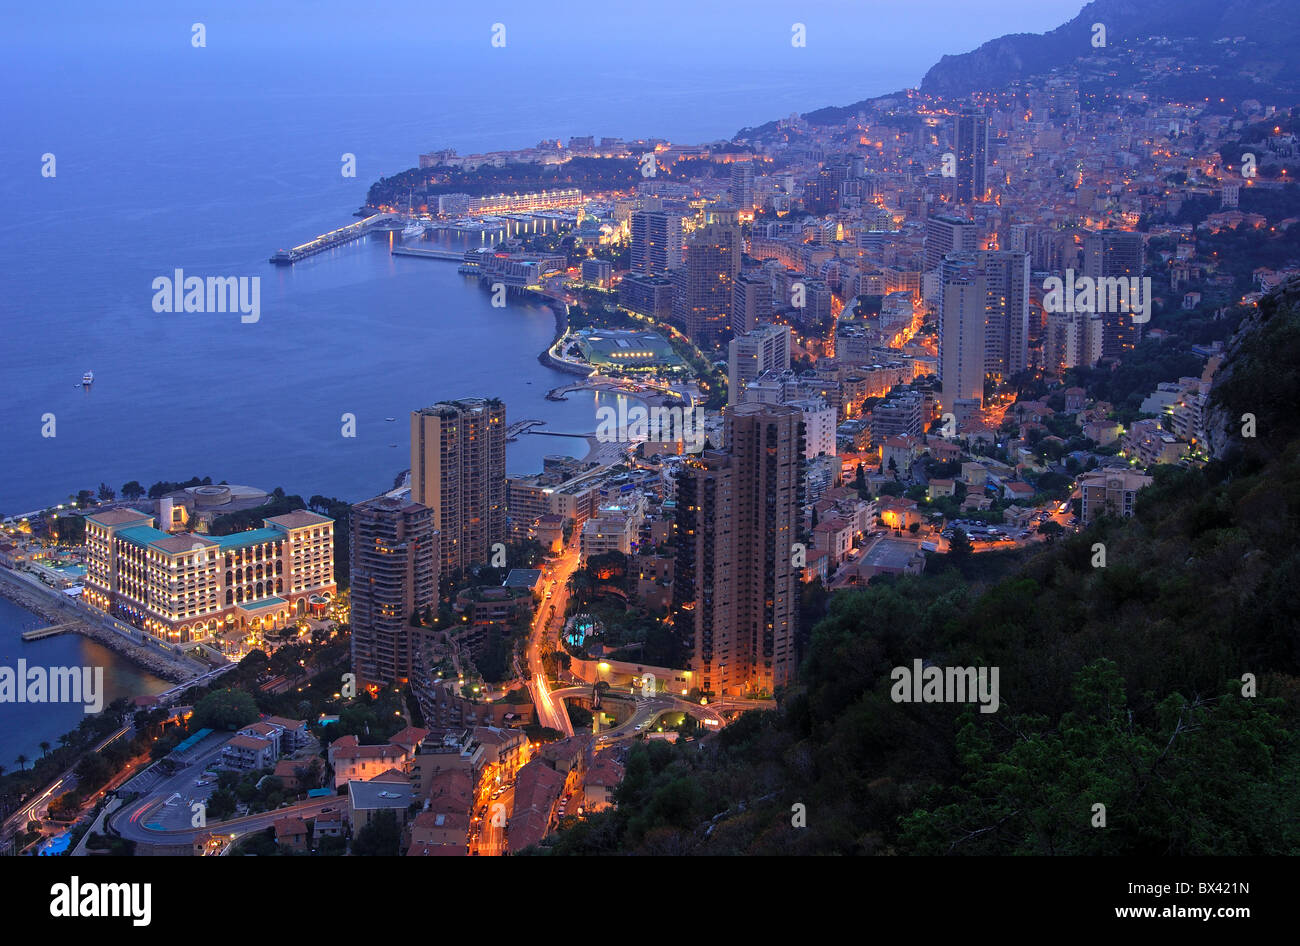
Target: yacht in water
{"type": "Point", "coordinates": [414, 228]}
{"type": "Point", "coordinates": [88, 379]}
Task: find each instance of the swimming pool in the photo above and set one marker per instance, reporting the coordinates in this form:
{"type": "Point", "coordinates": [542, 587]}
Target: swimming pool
{"type": "Point", "coordinates": [54, 845]}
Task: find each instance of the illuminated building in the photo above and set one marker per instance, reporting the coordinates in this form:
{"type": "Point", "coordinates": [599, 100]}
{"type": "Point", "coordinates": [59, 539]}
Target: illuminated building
{"type": "Point", "coordinates": [702, 294]}
{"type": "Point", "coordinates": [767, 348]}
{"type": "Point", "coordinates": [394, 558]}
{"type": "Point", "coordinates": [736, 584]}
{"type": "Point", "coordinates": [656, 241]}
{"type": "Point", "coordinates": [458, 470]}
{"type": "Point", "coordinates": [1115, 253]}
{"type": "Point", "coordinates": [972, 128]}
{"type": "Point", "coordinates": [189, 586]}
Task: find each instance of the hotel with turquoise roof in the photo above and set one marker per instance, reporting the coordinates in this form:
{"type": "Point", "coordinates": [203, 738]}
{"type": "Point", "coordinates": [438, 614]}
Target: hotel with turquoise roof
{"type": "Point", "coordinates": [183, 587]}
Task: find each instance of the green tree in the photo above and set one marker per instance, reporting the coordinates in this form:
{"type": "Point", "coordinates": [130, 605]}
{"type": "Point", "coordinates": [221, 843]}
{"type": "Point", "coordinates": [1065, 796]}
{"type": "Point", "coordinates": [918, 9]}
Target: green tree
{"type": "Point", "coordinates": [224, 709]}
{"type": "Point", "coordinates": [959, 546]}
{"type": "Point", "coordinates": [132, 490]}
{"type": "Point", "coordinates": [379, 838]}
{"type": "Point", "coordinates": [1167, 779]}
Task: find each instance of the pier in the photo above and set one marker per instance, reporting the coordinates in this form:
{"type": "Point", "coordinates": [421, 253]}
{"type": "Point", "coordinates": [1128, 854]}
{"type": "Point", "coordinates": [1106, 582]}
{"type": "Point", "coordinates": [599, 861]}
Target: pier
{"type": "Point", "coordinates": [455, 256]}
{"type": "Point", "coordinates": [49, 631]}
{"type": "Point", "coordinates": [520, 426]}
{"type": "Point", "coordinates": [561, 433]}
{"type": "Point", "coordinates": [327, 241]}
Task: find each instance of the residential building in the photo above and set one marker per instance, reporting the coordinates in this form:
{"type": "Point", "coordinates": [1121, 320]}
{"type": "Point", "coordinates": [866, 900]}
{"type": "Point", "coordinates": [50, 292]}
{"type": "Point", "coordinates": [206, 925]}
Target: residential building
{"type": "Point", "coordinates": [1110, 492]}
{"type": "Point", "coordinates": [735, 585]}
{"type": "Point", "coordinates": [394, 552]}
{"type": "Point", "coordinates": [767, 348]}
{"type": "Point", "coordinates": [458, 470]}
{"type": "Point", "coordinates": [656, 241]}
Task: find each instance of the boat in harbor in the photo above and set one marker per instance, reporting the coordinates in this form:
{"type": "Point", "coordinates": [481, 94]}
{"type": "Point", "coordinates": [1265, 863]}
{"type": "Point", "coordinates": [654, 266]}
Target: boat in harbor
{"type": "Point", "coordinates": [414, 228]}
{"type": "Point", "coordinates": [390, 419]}
{"type": "Point", "coordinates": [88, 379]}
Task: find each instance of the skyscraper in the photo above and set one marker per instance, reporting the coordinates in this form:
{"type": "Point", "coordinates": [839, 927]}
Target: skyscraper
{"type": "Point", "coordinates": [767, 348]}
{"type": "Point", "coordinates": [1006, 348]}
{"type": "Point", "coordinates": [962, 322]}
{"type": "Point", "coordinates": [656, 241]}
{"type": "Point", "coordinates": [394, 558]}
{"type": "Point", "coordinates": [736, 586]}
{"type": "Point", "coordinates": [946, 234]}
{"type": "Point", "coordinates": [972, 127]}
{"type": "Point", "coordinates": [751, 302]}
{"type": "Point", "coordinates": [741, 190]}
{"type": "Point", "coordinates": [702, 296]}
{"type": "Point", "coordinates": [1115, 253]}
{"type": "Point", "coordinates": [458, 470]}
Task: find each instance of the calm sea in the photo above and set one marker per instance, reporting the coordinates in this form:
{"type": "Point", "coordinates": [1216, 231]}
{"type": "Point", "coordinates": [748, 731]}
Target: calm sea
{"type": "Point", "coordinates": [24, 726]}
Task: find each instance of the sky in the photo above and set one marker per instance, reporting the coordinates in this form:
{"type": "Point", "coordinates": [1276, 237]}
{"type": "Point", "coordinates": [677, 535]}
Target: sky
{"type": "Point", "coordinates": [663, 34]}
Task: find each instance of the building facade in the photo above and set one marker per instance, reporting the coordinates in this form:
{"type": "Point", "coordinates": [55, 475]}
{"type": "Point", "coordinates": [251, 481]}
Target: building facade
{"type": "Point", "coordinates": [736, 584]}
{"type": "Point", "coordinates": [190, 587]}
{"type": "Point", "coordinates": [458, 470]}
{"type": "Point", "coordinates": [394, 558]}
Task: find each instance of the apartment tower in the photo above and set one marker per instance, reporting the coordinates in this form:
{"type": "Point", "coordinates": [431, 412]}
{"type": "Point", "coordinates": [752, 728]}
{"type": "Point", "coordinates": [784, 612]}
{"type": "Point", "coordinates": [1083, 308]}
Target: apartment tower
{"type": "Point", "coordinates": [458, 470]}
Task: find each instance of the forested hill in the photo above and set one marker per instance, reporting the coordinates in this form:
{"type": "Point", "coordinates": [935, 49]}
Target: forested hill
{"type": "Point", "coordinates": [1120, 685]}
{"type": "Point", "coordinates": [1232, 48]}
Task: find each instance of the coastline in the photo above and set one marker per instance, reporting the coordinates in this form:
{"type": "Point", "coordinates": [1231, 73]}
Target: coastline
{"type": "Point", "coordinates": [21, 593]}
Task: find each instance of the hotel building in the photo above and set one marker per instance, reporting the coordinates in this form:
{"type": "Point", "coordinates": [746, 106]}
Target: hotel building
{"type": "Point", "coordinates": [188, 586]}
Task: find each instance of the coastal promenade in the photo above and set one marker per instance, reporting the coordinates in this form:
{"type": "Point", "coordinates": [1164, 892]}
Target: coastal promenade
{"type": "Point", "coordinates": [56, 608]}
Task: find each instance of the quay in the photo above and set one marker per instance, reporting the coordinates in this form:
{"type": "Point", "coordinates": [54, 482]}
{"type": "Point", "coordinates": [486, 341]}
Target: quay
{"type": "Point", "coordinates": [49, 631]}
{"type": "Point", "coordinates": [327, 241]}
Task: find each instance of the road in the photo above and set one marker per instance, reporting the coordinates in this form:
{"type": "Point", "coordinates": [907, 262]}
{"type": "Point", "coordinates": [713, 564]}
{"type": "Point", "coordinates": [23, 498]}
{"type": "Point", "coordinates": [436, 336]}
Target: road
{"type": "Point", "coordinates": [495, 817]}
{"type": "Point", "coordinates": [37, 806]}
{"type": "Point", "coordinates": [547, 623]}
{"type": "Point", "coordinates": [129, 821]}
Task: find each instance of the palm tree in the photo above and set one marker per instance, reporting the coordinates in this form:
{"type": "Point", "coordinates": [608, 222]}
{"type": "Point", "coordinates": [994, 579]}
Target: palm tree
{"type": "Point", "coordinates": [45, 749]}
{"type": "Point", "coordinates": [65, 740]}
{"type": "Point", "coordinates": [22, 761]}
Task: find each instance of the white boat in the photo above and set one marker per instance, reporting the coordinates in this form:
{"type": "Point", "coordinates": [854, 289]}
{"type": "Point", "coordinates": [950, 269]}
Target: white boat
{"type": "Point", "coordinates": [88, 378]}
{"type": "Point", "coordinates": [414, 228]}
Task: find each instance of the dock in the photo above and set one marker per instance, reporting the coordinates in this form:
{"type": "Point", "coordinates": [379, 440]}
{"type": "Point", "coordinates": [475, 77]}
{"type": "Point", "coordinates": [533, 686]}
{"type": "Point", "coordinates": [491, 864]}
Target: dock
{"type": "Point", "coordinates": [562, 433]}
{"type": "Point", "coordinates": [520, 426]}
{"type": "Point", "coordinates": [327, 241]}
{"type": "Point", "coordinates": [455, 256]}
{"type": "Point", "coordinates": [49, 631]}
